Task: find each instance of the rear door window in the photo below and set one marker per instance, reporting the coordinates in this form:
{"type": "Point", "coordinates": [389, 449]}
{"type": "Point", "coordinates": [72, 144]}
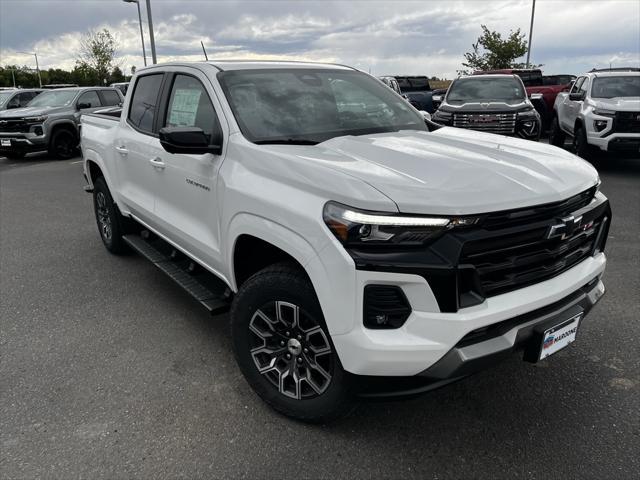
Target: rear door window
{"type": "Point", "coordinates": [110, 97]}
{"type": "Point", "coordinates": [90, 99]}
{"type": "Point", "coordinates": [142, 111]}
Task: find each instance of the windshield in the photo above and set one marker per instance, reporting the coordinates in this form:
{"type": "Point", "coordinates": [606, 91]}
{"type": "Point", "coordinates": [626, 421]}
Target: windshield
{"type": "Point", "coordinates": [55, 98]}
{"type": "Point", "coordinates": [472, 90]}
{"type": "Point", "coordinates": [4, 96]}
{"type": "Point", "coordinates": [611, 87]}
{"type": "Point", "coordinates": [308, 106]}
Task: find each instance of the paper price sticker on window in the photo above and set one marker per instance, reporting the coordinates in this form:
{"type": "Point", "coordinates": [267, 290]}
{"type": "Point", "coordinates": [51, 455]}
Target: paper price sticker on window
{"type": "Point", "coordinates": [184, 107]}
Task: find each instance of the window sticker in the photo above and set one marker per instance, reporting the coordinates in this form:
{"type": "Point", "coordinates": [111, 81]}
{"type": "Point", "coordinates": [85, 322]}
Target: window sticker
{"type": "Point", "coordinates": [184, 107]}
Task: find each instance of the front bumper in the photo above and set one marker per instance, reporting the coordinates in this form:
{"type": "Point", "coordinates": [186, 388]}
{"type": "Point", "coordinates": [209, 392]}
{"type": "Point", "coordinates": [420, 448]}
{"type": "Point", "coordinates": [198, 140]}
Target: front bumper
{"type": "Point", "coordinates": [22, 142]}
{"type": "Point", "coordinates": [610, 138]}
{"type": "Point", "coordinates": [428, 336]}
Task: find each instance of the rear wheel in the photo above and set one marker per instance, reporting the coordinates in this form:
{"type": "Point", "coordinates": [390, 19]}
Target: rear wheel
{"type": "Point", "coordinates": [63, 144]}
{"type": "Point", "coordinates": [108, 218]}
{"type": "Point", "coordinates": [283, 347]}
{"type": "Point", "coordinates": [556, 136]}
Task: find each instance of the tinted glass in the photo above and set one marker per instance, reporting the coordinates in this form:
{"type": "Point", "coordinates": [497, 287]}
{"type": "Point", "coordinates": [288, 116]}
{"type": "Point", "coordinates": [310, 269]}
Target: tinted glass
{"type": "Point", "coordinates": [91, 98]}
{"type": "Point", "coordinates": [26, 97]}
{"type": "Point", "coordinates": [190, 106]}
{"type": "Point", "coordinates": [54, 98]}
{"type": "Point", "coordinates": [576, 86]}
{"type": "Point", "coordinates": [531, 79]}
{"type": "Point", "coordinates": [143, 103]}
{"type": "Point", "coordinates": [612, 87]}
{"type": "Point", "coordinates": [488, 89]}
{"type": "Point", "coordinates": [311, 106]}
{"type": "Point", "coordinates": [4, 96]}
{"type": "Point", "coordinates": [111, 97]}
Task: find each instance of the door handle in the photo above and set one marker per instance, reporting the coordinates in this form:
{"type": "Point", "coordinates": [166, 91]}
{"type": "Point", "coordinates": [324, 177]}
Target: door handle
{"type": "Point", "coordinates": [157, 163]}
{"type": "Point", "coordinates": [122, 150]}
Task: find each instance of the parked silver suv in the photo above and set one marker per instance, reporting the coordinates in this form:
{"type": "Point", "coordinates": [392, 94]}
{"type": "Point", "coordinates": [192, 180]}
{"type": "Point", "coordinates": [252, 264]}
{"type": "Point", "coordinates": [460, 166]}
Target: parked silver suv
{"type": "Point", "coordinates": [50, 121]}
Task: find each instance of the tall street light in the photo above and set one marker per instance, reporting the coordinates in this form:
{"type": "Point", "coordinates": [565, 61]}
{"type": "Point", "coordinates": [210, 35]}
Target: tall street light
{"type": "Point", "coordinates": [153, 42]}
{"type": "Point", "coordinates": [533, 11]}
{"type": "Point", "coordinates": [37, 66]}
{"type": "Point", "coordinates": [144, 53]}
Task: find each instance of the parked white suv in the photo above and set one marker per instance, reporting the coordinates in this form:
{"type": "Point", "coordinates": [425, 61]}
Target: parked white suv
{"type": "Point", "coordinates": [601, 112]}
{"type": "Point", "coordinates": [360, 254]}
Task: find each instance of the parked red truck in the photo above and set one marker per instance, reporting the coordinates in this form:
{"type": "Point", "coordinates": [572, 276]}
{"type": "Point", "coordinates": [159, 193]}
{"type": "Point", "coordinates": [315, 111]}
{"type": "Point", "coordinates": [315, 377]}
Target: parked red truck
{"type": "Point", "coordinates": [549, 86]}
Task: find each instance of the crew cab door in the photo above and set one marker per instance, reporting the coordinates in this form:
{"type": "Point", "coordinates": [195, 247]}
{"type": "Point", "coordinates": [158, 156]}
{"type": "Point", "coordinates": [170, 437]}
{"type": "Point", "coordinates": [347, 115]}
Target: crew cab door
{"type": "Point", "coordinates": [569, 109]}
{"type": "Point", "coordinates": [133, 151]}
{"type": "Point", "coordinates": [187, 201]}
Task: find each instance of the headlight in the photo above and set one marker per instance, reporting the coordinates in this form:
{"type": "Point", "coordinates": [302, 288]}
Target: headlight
{"type": "Point", "coordinates": [352, 226]}
{"type": "Point", "coordinates": [528, 114]}
{"type": "Point", "coordinates": [604, 113]}
{"type": "Point", "coordinates": [39, 119]}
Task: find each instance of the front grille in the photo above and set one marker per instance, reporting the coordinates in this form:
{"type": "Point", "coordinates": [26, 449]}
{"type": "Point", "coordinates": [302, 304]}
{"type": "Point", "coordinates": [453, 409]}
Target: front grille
{"type": "Point", "coordinates": [502, 123]}
{"type": "Point", "coordinates": [627, 122]}
{"type": "Point", "coordinates": [11, 125]}
{"type": "Point", "coordinates": [514, 258]}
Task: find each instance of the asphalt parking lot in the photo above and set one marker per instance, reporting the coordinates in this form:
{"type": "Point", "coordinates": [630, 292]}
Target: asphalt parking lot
{"type": "Point", "coordinates": [109, 370]}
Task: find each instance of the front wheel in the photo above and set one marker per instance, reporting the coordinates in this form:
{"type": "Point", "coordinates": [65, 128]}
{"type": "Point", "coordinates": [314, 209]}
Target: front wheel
{"type": "Point", "coordinates": [556, 136]}
{"type": "Point", "coordinates": [581, 145]}
{"type": "Point", "coordinates": [283, 348]}
{"type": "Point", "coordinates": [63, 144]}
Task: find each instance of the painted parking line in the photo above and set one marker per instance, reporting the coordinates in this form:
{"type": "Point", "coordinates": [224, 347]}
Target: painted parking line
{"type": "Point", "coordinates": [77, 161]}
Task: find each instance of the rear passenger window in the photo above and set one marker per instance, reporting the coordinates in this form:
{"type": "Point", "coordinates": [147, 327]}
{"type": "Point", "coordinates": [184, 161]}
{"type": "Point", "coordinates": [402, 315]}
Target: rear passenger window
{"type": "Point", "coordinates": [110, 97]}
{"type": "Point", "coordinates": [190, 106]}
{"type": "Point", "coordinates": [89, 98]}
{"type": "Point", "coordinates": [143, 103]}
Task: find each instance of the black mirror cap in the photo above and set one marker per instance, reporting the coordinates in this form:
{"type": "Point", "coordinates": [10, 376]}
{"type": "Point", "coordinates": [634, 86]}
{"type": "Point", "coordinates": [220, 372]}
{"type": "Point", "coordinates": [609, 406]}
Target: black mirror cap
{"type": "Point", "coordinates": [83, 105]}
{"type": "Point", "coordinates": [576, 96]}
{"type": "Point", "coordinates": [190, 140]}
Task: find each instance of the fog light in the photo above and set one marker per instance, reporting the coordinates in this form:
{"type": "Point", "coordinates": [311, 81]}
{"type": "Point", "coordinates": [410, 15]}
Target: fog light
{"type": "Point", "coordinates": [38, 131]}
{"type": "Point", "coordinates": [385, 306]}
{"type": "Point", "coordinates": [599, 125]}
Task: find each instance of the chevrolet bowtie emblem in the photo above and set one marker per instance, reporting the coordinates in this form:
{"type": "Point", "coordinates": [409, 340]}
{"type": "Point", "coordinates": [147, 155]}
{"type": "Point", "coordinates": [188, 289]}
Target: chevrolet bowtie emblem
{"type": "Point", "coordinates": [565, 228]}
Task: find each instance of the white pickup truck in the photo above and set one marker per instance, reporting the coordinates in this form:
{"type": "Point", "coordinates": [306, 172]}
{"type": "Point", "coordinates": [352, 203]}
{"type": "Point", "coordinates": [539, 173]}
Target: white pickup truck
{"type": "Point", "coordinates": [600, 113]}
{"type": "Point", "coordinates": [361, 250]}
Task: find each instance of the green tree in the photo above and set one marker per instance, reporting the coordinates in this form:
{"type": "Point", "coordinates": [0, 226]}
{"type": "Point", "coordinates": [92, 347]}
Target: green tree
{"type": "Point", "coordinates": [492, 52]}
{"type": "Point", "coordinates": [116, 76]}
{"type": "Point", "coordinates": [97, 56]}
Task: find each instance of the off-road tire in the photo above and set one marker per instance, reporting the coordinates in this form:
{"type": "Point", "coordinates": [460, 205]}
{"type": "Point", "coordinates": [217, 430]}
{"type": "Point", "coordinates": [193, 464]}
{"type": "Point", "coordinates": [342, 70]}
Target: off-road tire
{"type": "Point", "coordinates": [63, 144]}
{"type": "Point", "coordinates": [286, 284]}
{"type": "Point", "coordinates": [108, 218]}
{"type": "Point", "coordinates": [556, 135]}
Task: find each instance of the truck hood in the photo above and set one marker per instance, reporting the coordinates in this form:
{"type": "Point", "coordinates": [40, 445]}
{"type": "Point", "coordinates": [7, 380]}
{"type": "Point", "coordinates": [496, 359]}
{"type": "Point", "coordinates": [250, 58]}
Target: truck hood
{"type": "Point", "coordinates": [454, 171]}
{"type": "Point", "coordinates": [32, 111]}
{"type": "Point", "coordinates": [619, 104]}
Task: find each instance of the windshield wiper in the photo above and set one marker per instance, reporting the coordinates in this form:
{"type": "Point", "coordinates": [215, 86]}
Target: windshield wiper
{"type": "Point", "coordinates": [286, 141]}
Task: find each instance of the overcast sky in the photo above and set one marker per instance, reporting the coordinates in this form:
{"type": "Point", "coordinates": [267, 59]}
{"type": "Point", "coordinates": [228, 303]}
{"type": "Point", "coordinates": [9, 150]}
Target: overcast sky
{"type": "Point", "coordinates": [387, 37]}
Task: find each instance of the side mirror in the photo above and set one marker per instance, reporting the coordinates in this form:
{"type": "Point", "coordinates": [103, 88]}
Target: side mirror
{"type": "Point", "coordinates": [190, 140]}
{"type": "Point", "coordinates": [82, 105]}
{"type": "Point", "coordinates": [576, 96]}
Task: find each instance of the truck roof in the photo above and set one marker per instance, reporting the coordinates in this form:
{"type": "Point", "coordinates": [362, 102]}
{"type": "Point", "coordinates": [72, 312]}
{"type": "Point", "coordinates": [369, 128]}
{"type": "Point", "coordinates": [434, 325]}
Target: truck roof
{"type": "Point", "coordinates": [226, 65]}
{"type": "Point", "coordinates": [615, 73]}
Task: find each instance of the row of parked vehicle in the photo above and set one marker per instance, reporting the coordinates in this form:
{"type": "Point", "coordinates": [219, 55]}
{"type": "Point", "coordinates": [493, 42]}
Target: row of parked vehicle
{"type": "Point", "coordinates": [599, 110]}
{"type": "Point", "coordinates": [37, 120]}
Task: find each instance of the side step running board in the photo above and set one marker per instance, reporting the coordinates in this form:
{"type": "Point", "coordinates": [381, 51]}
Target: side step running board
{"type": "Point", "coordinates": [205, 287]}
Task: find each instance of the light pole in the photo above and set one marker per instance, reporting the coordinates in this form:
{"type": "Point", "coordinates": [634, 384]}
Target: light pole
{"type": "Point", "coordinates": [144, 53]}
{"type": "Point", "coordinates": [533, 11]}
{"type": "Point", "coordinates": [153, 42]}
{"type": "Point", "coordinates": [37, 66]}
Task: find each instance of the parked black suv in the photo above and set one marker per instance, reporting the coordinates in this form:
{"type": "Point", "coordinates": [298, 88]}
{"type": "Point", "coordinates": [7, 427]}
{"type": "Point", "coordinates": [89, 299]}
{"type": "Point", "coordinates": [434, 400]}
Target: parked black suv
{"type": "Point", "coordinates": [490, 103]}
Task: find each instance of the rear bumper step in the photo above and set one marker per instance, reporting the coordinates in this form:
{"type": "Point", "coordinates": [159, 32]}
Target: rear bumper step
{"type": "Point", "coordinates": [205, 287]}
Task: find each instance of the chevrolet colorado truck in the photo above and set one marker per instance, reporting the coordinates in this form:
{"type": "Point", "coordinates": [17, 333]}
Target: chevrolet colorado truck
{"type": "Point", "coordinates": [490, 103]}
{"type": "Point", "coordinates": [49, 122]}
{"type": "Point", "coordinates": [361, 251]}
{"type": "Point", "coordinates": [600, 113]}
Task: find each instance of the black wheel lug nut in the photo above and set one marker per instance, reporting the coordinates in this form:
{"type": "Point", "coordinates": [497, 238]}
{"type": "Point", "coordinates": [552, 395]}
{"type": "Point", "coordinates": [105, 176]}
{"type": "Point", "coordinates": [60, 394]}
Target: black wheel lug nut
{"type": "Point", "coordinates": [299, 359]}
{"type": "Point", "coordinates": [288, 356]}
{"type": "Point", "coordinates": [299, 337]}
{"type": "Point", "coordinates": [287, 333]}
{"type": "Point", "coordinates": [282, 343]}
